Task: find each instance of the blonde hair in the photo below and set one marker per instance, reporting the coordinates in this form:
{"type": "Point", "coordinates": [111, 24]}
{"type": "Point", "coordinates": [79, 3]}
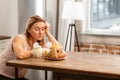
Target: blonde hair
{"type": "Point", "coordinates": [30, 22]}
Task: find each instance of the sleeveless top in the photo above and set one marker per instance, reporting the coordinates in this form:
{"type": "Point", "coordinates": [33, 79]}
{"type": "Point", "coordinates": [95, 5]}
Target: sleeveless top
{"type": "Point", "coordinates": [8, 54]}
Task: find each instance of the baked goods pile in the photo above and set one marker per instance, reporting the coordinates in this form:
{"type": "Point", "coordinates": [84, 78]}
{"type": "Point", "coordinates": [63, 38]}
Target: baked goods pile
{"type": "Point", "coordinates": [56, 52]}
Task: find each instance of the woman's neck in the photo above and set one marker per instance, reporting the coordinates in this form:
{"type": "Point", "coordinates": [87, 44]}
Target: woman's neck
{"type": "Point", "coordinates": [30, 42]}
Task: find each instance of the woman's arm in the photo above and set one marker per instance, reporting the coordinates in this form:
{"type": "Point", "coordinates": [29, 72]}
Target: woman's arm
{"type": "Point", "coordinates": [18, 48]}
{"type": "Point", "coordinates": [50, 37]}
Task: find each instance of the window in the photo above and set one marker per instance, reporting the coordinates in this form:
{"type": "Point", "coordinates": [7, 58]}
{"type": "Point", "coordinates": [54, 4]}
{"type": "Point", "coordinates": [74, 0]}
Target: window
{"type": "Point", "coordinates": [104, 17]}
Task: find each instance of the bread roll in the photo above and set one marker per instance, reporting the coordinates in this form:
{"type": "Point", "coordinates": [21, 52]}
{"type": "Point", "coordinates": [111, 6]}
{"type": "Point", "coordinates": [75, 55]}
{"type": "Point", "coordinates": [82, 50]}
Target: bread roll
{"type": "Point", "coordinates": [56, 52]}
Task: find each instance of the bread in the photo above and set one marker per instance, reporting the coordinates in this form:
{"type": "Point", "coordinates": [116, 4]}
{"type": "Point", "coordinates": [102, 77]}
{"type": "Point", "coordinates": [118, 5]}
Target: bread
{"type": "Point", "coordinates": [56, 52]}
{"type": "Point", "coordinates": [45, 51]}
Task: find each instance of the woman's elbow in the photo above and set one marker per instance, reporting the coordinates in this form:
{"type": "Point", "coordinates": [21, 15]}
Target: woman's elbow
{"type": "Point", "coordinates": [21, 56]}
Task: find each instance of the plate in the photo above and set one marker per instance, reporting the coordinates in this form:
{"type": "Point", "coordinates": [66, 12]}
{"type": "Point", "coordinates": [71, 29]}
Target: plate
{"type": "Point", "coordinates": [54, 59]}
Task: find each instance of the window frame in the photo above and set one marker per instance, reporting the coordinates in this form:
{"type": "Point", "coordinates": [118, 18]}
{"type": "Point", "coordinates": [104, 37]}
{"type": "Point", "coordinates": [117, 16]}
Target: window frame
{"type": "Point", "coordinates": [86, 23]}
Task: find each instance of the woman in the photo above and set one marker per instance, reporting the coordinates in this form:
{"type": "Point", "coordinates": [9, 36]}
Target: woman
{"type": "Point", "coordinates": [21, 46]}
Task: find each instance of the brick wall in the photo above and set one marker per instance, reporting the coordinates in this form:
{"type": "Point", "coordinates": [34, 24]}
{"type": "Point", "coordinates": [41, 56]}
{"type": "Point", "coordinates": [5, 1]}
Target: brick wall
{"type": "Point", "coordinates": [99, 48]}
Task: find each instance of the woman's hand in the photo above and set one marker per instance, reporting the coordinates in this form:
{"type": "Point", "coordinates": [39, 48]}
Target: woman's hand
{"type": "Point", "coordinates": [47, 27]}
{"type": "Point", "coordinates": [50, 37]}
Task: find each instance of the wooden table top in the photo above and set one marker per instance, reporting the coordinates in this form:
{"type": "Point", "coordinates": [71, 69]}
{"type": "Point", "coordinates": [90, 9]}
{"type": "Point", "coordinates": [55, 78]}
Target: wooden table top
{"type": "Point", "coordinates": [104, 65]}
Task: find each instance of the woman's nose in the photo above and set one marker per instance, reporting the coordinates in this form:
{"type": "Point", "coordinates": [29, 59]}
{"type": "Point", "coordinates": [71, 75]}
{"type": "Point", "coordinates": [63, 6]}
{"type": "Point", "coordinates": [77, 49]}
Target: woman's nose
{"type": "Point", "coordinates": [40, 32]}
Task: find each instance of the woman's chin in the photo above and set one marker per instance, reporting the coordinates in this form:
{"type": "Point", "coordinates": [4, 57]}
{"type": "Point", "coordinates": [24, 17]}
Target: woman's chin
{"type": "Point", "coordinates": [40, 39]}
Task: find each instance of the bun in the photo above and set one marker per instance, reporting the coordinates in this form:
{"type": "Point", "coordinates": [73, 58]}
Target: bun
{"type": "Point", "coordinates": [56, 52]}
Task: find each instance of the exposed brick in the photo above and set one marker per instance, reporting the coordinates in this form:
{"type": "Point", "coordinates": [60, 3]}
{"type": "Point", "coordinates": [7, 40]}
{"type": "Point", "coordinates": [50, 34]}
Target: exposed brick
{"type": "Point", "coordinates": [84, 50]}
{"type": "Point", "coordinates": [104, 51]}
{"type": "Point", "coordinates": [117, 52]}
{"type": "Point", "coordinates": [118, 47]}
{"type": "Point", "coordinates": [75, 49]}
{"type": "Point", "coordinates": [97, 46]}
{"type": "Point", "coordinates": [85, 45]}
{"type": "Point", "coordinates": [94, 50]}
{"type": "Point", "coordinates": [110, 47]}
{"type": "Point", "coordinates": [111, 51]}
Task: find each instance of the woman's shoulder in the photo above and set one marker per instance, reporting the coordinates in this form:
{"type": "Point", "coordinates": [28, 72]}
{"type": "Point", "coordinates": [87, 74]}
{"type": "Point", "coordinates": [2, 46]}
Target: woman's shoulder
{"type": "Point", "coordinates": [22, 36]}
{"type": "Point", "coordinates": [19, 37]}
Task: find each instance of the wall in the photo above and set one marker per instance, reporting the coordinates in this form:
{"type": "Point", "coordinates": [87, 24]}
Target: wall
{"type": "Point", "coordinates": [8, 17]}
{"type": "Point", "coordinates": [95, 38]}
{"type": "Point", "coordinates": [99, 48]}
{"type": "Point", "coordinates": [104, 43]}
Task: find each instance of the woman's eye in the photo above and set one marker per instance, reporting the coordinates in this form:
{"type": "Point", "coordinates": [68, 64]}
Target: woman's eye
{"type": "Point", "coordinates": [36, 29]}
{"type": "Point", "coordinates": [43, 29]}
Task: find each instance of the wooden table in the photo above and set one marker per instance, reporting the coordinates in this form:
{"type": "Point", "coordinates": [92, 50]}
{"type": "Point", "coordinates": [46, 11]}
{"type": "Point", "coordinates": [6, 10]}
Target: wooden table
{"type": "Point", "coordinates": [101, 65]}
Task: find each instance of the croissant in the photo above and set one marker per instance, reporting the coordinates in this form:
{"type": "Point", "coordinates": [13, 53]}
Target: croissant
{"type": "Point", "coordinates": [56, 52]}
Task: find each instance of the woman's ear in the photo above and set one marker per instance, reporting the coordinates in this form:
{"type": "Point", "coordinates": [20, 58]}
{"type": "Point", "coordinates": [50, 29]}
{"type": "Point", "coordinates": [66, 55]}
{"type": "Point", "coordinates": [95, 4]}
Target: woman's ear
{"type": "Point", "coordinates": [28, 30]}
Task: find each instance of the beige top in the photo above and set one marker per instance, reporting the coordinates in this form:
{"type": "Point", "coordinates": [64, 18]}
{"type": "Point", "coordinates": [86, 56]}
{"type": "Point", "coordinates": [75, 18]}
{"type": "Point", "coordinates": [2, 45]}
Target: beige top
{"type": "Point", "coordinates": [8, 54]}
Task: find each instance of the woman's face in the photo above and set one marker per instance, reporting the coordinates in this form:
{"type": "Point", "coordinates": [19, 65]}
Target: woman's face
{"type": "Point", "coordinates": [37, 31]}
